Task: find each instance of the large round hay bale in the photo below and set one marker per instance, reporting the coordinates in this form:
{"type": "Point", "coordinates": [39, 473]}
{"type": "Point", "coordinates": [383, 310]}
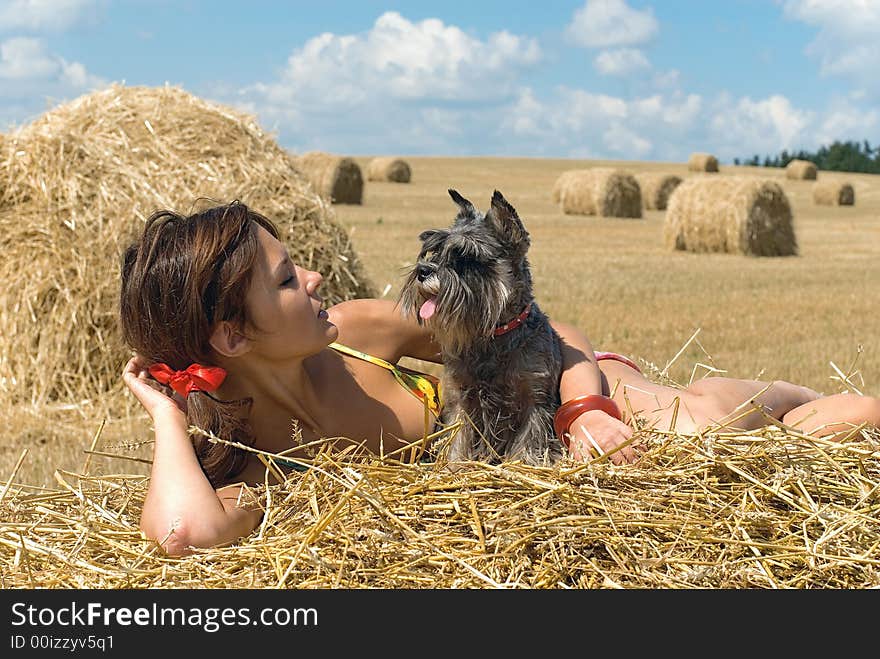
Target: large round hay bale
{"type": "Point", "coordinates": [393, 170]}
{"type": "Point", "coordinates": [337, 178]}
{"type": "Point", "coordinates": [603, 191]}
{"type": "Point", "coordinates": [656, 188]}
{"type": "Point", "coordinates": [560, 184]}
{"type": "Point", "coordinates": [833, 193]}
{"type": "Point", "coordinates": [734, 214]}
{"type": "Point", "coordinates": [801, 170]}
{"type": "Point", "coordinates": [702, 162]}
{"type": "Point", "coordinates": [78, 184]}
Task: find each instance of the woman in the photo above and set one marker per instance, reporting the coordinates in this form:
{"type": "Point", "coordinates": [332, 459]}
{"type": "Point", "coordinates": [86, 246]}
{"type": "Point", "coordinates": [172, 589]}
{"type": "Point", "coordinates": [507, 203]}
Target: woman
{"type": "Point", "coordinates": [213, 306]}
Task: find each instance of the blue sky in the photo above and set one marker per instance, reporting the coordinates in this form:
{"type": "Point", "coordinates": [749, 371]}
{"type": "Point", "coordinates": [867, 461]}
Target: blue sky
{"type": "Point", "coordinates": [617, 79]}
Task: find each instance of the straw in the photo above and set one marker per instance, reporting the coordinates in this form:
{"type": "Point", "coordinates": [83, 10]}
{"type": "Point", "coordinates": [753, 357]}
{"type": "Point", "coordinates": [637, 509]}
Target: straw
{"type": "Point", "coordinates": [767, 509]}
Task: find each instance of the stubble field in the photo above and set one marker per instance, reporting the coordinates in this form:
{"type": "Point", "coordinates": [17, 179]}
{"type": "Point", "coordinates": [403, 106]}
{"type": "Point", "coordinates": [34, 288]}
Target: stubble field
{"type": "Point", "coordinates": [792, 318]}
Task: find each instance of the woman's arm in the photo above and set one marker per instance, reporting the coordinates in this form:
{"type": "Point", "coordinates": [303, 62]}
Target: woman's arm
{"type": "Point", "coordinates": [181, 509]}
{"type": "Point", "coordinates": [378, 327]}
{"type": "Point", "coordinates": [581, 376]}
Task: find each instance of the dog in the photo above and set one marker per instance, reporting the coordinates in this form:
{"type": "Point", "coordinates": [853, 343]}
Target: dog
{"type": "Point", "coordinates": [472, 286]}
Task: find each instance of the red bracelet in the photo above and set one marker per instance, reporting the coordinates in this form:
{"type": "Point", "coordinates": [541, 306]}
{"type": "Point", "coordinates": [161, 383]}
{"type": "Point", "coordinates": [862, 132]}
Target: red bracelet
{"type": "Point", "coordinates": [572, 409]}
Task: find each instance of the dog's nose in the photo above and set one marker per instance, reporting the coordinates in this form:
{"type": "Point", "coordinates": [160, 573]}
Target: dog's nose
{"type": "Point", "coordinates": [423, 272]}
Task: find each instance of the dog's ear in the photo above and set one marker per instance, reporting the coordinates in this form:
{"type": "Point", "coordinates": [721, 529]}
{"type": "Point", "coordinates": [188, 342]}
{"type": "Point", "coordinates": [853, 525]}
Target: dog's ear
{"type": "Point", "coordinates": [461, 201]}
{"type": "Point", "coordinates": [502, 216]}
{"type": "Point", "coordinates": [466, 212]}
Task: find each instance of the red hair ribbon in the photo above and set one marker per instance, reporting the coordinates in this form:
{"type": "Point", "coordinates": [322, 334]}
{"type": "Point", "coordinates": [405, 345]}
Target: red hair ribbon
{"type": "Point", "coordinates": [195, 378]}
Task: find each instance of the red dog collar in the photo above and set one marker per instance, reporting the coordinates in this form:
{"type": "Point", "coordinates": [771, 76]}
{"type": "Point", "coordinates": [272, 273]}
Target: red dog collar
{"type": "Point", "coordinates": [513, 324]}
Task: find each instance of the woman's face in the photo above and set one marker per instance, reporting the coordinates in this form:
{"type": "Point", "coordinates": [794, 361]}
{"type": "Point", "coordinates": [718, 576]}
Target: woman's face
{"type": "Point", "coordinates": [285, 308]}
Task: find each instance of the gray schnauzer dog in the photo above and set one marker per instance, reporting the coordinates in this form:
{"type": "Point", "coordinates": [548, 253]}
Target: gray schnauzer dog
{"type": "Point", "coordinates": [502, 360]}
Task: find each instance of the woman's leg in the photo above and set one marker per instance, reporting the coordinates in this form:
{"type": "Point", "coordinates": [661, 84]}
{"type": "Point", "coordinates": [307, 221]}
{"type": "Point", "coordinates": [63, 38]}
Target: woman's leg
{"type": "Point", "coordinates": [834, 415]}
{"type": "Point", "coordinates": [734, 403]}
{"type": "Point", "coordinates": [746, 404]}
{"type": "Point", "coordinates": [794, 405]}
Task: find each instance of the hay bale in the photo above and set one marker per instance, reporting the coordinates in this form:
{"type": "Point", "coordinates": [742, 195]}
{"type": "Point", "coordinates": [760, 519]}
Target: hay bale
{"type": "Point", "coordinates": [419, 525]}
{"type": "Point", "coordinates": [394, 170]}
{"type": "Point", "coordinates": [656, 188]}
{"type": "Point", "coordinates": [79, 182]}
{"type": "Point", "coordinates": [560, 184]}
{"type": "Point", "coordinates": [801, 170]}
{"type": "Point", "coordinates": [735, 214]}
{"type": "Point", "coordinates": [833, 193]}
{"type": "Point", "coordinates": [603, 191]}
{"type": "Point", "coordinates": [336, 178]}
{"type": "Point", "coordinates": [702, 162]}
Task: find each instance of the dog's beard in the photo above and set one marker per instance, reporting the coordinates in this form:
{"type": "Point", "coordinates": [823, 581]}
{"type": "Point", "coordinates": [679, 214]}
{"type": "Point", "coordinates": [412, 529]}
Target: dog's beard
{"type": "Point", "coordinates": [459, 312]}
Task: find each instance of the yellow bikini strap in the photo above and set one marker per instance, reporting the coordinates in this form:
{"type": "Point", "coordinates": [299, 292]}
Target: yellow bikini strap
{"type": "Point", "coordinates": [378, 361]}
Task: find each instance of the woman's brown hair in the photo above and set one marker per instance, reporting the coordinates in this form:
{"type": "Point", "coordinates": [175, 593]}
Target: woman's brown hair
{"type": "Point", "coordinates": [185, 274]}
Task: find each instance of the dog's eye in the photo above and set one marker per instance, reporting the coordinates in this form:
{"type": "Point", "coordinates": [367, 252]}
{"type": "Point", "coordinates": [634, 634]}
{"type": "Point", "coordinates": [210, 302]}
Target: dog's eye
{"type": "Point", "coordinates": [465, 262]}
{"type": "Point", "coordinates": [470, 250]}
{"type": "Point", "coordinates": [432, 240]}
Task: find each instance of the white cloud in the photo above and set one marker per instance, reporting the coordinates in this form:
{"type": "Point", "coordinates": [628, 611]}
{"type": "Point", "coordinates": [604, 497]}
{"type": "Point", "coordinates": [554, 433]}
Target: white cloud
{"type": "Point", "coordinates": [30, 73]}
{"type": "Point", "coordinates": [404, 60]}
{"type": "Point", "coordinates": [578, 123]}
{"type": "Point", "coordinates": [676, 110]}
{"type": "Point", "coordinates": [766, 126]}
{"type": "Point", "coordinates": [44, 14]}
{"type": "Point", "coordinates": [74, 74]}
{"type": "Point", "coordinates": [611, 23]}
{"type": "Point", "coordinates": [415, 80]}
{"type": "Point", "coordinates": [24, 58]}
{"type": "Point", "coordinates": [847, 123]}
{"type": "Point", "coordinates": [523, 116]}
{"type": "Point", "coordinates": [429, 88]}
{"type": "Point", "coordinates": [621, 61]}
{"type": "Point", "coordinates": [855, 18]}
{"type": "Point", "coordinates": [32, 78]}
{"type": "Point", "coordinates": [582, 107]}
{"type": "Point", "coordinates": [669, 126]}
{"type": "Point", "coordinates": [624, 142]}
{"type": "Point", "coordinates": [847, 43]}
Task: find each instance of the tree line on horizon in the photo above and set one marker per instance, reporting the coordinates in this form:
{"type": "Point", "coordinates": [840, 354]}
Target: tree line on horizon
{"type": "Point", "coordinates": [849, 156]}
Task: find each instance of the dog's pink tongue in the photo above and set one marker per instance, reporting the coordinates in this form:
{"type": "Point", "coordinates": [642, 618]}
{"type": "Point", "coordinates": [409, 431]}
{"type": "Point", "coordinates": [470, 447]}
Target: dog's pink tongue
{"type": "Point", "coordinates": [428, 308]}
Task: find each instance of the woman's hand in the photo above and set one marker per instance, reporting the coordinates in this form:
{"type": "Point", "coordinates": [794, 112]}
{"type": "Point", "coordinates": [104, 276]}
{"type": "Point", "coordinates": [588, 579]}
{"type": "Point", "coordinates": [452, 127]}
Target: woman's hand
{"type": "Point", "coordinates": [596, 429]}
{"type": "Point", "coordinates": [153, 395]}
